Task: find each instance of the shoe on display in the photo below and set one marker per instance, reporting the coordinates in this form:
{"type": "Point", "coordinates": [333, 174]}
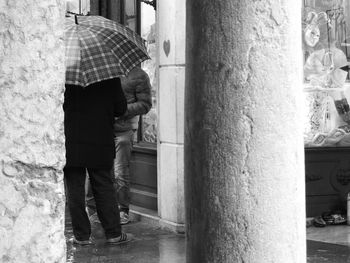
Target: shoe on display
{"type": "Point", "coordinates": [334, 218]}
{"type": "Point", "coordinates": [319, 222]}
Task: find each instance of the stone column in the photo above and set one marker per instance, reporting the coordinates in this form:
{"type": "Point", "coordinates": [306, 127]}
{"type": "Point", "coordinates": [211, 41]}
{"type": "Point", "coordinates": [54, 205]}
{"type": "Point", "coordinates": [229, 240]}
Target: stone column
{"type": "Point", "coordinates": [171, 47]}
{"type": "Point", "coordinates": [31, 131]}
{"type": "Point", "coordinates": [244, 155]}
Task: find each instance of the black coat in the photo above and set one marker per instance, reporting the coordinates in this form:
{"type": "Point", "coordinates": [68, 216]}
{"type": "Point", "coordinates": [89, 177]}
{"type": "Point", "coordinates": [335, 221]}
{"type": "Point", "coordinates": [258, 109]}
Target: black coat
{"type": "Point", "coordinates": [88, 123]}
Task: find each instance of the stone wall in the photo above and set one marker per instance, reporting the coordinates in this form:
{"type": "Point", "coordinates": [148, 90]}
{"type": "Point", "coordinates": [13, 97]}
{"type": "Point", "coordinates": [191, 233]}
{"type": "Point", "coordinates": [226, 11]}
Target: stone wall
{"type": "Point", "coordinates": [31, 131]}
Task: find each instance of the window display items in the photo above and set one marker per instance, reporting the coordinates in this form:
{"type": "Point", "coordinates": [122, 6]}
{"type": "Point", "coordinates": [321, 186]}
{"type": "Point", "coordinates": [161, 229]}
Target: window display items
{"type": "Point", "coordinates": [326, 51]}
{"type": "Point", "coordinates": [342, 106]}
{"type": "Point", "coordinates": [312, 30]}
{"type": "Point", "coordinates": [327, 124]}
{"type": "Point", "coordinates": [323, 70]}
{"type": "Point", "coordinates": [312, 35]}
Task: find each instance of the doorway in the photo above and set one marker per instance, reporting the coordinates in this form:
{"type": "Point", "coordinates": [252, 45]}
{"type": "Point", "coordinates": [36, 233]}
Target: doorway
{"type": "Point", "coordinates": [140, 16]}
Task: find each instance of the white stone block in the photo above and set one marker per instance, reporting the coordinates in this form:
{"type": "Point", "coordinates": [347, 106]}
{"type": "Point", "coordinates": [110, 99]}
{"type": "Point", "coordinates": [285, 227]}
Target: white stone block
{"type": "Point", "coordinates": [172, 32]}
{"type": "Point", "coordinates": [171, 183]}
{"type": "Point", "coordinates": [171, 104]}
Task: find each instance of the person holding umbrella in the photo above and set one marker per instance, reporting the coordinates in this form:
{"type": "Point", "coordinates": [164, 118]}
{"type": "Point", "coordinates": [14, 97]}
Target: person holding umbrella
{"type": "Point", "coordinates": [88, 125]}
{"type": "Point", "coordinates": [98, 52]}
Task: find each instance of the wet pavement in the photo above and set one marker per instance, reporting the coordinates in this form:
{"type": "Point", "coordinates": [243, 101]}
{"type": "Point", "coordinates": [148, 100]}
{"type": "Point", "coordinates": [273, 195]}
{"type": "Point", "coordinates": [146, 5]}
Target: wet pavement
{"type": "Point", "coordinates": [329, 244]}
{"type": "Point", "coordinates": [154, 245]}
{"type": "Point", "coordinates": [150, 245]}
{"type": "Point", "coordinates": [318, 252]}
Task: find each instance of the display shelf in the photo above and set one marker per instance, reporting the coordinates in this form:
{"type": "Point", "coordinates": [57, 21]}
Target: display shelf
{"type": "Point", "coordinates": [327, 179]}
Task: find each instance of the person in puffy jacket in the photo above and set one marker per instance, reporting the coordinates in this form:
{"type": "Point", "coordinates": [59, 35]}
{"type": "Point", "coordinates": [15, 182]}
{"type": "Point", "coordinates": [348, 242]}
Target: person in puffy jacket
{"type": "Point", "coordinates": [137, 90]}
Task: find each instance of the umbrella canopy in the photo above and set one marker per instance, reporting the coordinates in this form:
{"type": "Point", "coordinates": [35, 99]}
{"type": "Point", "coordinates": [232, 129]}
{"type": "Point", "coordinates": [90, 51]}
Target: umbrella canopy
{"type": "Point", "coordinates": [98, 49]}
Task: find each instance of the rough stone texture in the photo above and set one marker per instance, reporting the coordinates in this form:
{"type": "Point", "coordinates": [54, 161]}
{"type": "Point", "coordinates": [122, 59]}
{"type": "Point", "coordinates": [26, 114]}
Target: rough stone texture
{"type": "Point", "coordinates": [244, 156]}
{"type": "Point", "coordinates": [31, 131]}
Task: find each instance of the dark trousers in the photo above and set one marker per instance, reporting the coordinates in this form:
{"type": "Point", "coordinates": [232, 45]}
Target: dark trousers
{"type": "Point", "coordinates": [104, 194]}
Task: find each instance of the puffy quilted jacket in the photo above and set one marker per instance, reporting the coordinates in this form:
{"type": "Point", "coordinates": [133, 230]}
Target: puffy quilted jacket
{"type": "Point", "coordinates": [137, 90]}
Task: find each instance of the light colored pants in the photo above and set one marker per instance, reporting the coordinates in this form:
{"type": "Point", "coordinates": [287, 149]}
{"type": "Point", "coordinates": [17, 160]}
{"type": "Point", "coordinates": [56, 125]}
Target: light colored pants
{"type": "Point", "coordinates": [123, 147]}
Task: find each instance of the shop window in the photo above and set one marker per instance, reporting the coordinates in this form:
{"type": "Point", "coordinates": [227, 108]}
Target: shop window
{"type": "Point", "coordinates": [78, 6]}
{"type": "Point", "coordinates": [129, 14]}
{"type": "Point", "coordinates": [148, 32]}
{"type": "Point", "coordinates": [326, 49]}
{"type": "Point", "coordinates": [140, 16]}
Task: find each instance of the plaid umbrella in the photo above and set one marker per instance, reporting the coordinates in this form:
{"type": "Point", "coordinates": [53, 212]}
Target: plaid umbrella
{"type": "Point", "coordinates": [98, 49]}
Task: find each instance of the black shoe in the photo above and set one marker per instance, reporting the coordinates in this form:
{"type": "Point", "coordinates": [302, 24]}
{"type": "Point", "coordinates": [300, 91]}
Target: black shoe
{"type": "Point", "coordinates": [123, 238]}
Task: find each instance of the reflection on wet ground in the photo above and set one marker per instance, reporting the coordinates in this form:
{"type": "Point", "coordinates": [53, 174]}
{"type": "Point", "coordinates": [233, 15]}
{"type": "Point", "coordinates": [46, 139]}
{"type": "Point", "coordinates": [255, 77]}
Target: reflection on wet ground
{"type": "Point", "coordinates": [154, 245]}
{"type": "Point", "coordinates": [318, 252]}
{"type": "Point", "coordinates": [328, 244]}
{"type": "Point", "coordinates": [150, 245]}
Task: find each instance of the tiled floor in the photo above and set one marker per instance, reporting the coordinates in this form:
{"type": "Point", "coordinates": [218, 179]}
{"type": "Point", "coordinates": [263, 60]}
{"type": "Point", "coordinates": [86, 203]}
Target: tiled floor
{"type": "Point", "coordinates": [330, 244]}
